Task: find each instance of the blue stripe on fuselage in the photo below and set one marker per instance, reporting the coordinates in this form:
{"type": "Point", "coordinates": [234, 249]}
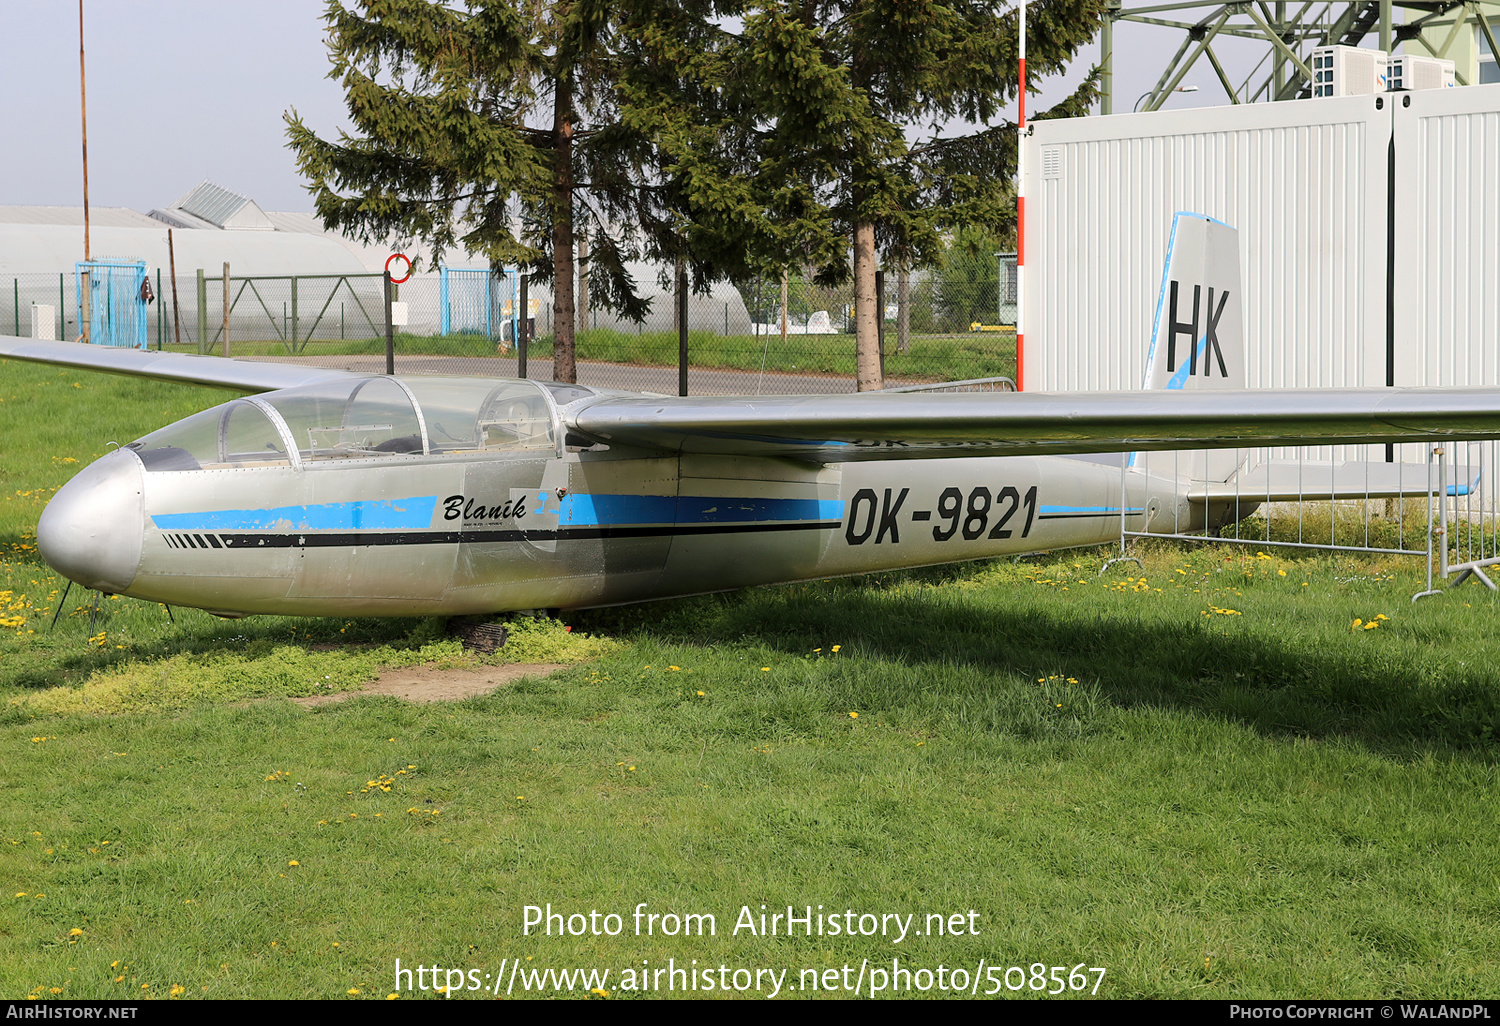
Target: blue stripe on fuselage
{"type": "Point", "coordinates": [579, 509]}
{"type": "Point", "coordinates": [1046, 510]}
{"type": "Point", "coordinates": [363, 515]}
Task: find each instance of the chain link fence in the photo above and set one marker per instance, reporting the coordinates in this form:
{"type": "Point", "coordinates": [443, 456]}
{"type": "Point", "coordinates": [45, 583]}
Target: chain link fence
{"type": "Point", "coordinates": [738, 340]}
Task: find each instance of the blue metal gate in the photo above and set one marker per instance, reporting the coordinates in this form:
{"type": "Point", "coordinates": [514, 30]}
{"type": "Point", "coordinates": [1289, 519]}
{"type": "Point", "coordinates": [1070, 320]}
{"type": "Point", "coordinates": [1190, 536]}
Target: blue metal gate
{"type": "Point", "coordinates": [117, 305]}
{"type": "Point", "coordinates": [479, 303]}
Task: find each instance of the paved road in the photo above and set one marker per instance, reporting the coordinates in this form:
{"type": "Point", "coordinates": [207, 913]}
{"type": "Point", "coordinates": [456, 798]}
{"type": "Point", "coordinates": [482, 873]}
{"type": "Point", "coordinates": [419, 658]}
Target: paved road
{"type": "Point", "coordinates": [634, 377]}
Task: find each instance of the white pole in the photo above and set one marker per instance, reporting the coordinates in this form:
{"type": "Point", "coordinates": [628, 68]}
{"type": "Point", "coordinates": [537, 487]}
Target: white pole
{"type": "Point", "coordinates": [1021, 213]}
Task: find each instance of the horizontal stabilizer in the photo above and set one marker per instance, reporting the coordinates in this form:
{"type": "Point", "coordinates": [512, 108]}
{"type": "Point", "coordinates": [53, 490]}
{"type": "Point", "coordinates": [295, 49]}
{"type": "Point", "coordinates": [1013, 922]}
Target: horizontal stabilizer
{"type": "Point", "coordinates": [1291, 480]}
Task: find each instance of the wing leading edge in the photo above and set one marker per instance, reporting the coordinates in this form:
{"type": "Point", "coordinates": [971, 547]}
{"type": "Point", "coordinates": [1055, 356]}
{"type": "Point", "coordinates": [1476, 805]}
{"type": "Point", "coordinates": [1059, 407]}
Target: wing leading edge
{"type": "Point", "coordinates": [871, 426]}
{"type": "Point", "coordinates": [876, 426]}
{"type": "Point", "coordinates": [214, 371]}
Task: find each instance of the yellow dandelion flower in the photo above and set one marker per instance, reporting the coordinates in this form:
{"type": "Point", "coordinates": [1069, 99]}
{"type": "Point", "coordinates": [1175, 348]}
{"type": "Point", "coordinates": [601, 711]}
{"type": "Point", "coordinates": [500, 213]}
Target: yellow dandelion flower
{"type": "Point", "coordinates": [75, 932]}
{"type": "Point", "coordinates": [854, 715]}
{"type": "Point", "coordinates": [293, 862]}
{"type": "Point", "coordinates": [835, 648]}
{"type": "Point", "coordinates": [352, 990]}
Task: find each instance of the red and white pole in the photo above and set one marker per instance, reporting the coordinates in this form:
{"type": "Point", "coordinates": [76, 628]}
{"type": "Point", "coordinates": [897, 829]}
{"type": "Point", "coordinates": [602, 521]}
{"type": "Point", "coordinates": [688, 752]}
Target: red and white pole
{"type": "Point", "coordinates": [1021, 214]}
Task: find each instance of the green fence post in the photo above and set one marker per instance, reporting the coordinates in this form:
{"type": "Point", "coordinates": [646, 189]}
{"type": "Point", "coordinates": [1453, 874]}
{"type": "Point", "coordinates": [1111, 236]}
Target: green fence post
{"type": "Point", "coordinates": [62, 311]}
{"type": "Point", "coordinates": [15, 288]}
{"type": "Point", "coordinates": [294, 313]}
{"type": "Point", "coordinates": [202, 313]}
{"type": "Point", "coordinates": [161, 312]}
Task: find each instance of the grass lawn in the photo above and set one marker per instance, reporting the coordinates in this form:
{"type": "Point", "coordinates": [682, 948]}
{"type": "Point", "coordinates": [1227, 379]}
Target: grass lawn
{"type": "Point", "coordinates": [931, 357]}
{"type": "Point", "coordinates": [1208, 778]}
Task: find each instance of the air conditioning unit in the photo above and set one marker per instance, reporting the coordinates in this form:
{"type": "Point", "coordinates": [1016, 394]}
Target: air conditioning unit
{"type": "Point", "coordinates": [1347, 71]}
{"type": "Point", "coordinates": [1408, 71]}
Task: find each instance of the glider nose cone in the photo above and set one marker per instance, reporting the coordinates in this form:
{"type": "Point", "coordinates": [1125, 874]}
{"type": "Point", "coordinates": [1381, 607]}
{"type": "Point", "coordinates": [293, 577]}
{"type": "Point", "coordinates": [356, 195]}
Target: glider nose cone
{"type": "Point", "coordinates": [92, 530]}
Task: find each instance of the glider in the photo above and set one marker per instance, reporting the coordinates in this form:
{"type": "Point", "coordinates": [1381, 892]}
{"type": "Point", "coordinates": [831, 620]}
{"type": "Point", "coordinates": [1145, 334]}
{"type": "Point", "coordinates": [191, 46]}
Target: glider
{"type": "Point", "coordinates": [333, 493]}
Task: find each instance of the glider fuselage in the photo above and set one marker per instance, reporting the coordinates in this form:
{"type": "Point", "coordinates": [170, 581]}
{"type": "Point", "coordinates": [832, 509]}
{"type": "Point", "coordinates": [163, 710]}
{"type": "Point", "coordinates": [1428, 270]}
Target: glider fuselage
{"type": "Point", "coordinates": [361, 530]}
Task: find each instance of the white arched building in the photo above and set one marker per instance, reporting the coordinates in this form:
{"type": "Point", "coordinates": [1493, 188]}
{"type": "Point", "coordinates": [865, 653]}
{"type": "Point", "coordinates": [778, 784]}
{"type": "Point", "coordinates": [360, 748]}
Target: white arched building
{"type": "Point", "coordinates": [40, 248]}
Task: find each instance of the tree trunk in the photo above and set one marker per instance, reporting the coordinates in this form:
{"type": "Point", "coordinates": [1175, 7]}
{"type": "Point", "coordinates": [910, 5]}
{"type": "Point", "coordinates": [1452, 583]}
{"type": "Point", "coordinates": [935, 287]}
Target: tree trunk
{"type": "Point", "coordinates": [866, 317]}
{"type": "Point", "coordinates": [585, 321]}
{"type": "Point", "coordinates": [564, 364]}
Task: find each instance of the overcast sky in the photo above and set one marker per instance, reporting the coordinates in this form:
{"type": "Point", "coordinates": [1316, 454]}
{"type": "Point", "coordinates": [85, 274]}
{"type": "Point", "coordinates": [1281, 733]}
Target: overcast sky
{"type": "Point", "coordinates": [181, 91]}
{"type": "Point", "coordinates": [177, 92]}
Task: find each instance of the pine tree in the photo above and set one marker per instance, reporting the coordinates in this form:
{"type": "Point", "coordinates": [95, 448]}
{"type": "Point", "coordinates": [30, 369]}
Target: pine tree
{"type": "Point", "coordinates": [733, 138]}
{"type": "Point", "coordinates": [845, 81]}
{"type": "Point", "coordinates": [493, 128]}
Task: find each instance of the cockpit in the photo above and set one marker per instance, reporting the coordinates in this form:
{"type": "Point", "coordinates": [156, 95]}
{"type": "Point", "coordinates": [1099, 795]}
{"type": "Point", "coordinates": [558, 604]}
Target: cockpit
{"type": "Point", "coordinates": [363, 419]}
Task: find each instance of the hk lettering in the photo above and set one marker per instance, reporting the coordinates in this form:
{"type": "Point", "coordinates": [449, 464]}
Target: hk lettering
{"type": "Point", "coordinates": [1212, 314]}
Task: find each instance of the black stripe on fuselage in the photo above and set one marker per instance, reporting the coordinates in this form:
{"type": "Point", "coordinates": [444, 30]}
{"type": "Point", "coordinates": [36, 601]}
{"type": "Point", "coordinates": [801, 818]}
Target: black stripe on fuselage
{"type": "Point", "coordinates": [348, 539]}
{"type": "Point", "coordinates": [1115, 515]}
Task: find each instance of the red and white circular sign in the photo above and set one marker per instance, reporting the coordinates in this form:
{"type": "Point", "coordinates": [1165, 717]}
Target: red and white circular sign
{"type": "Point", "coordinates": [392, 259]}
